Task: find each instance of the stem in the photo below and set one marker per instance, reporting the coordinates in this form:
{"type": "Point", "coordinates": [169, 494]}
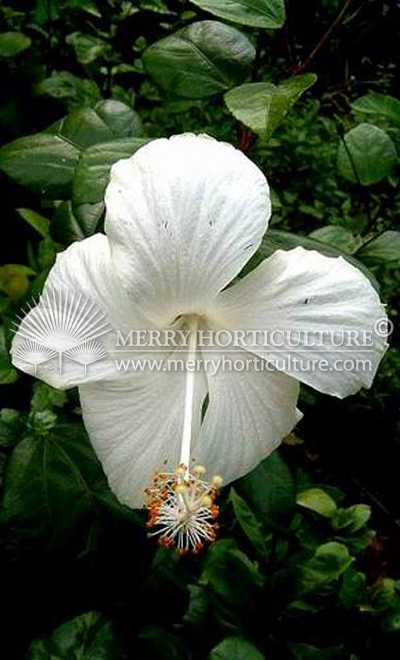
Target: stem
{"type": "Point", "coordinates": [324, 39]}
{"type": "Point", "coordinates": [245, 138]}
{"type": "Point", "coordinates": [189, 397]}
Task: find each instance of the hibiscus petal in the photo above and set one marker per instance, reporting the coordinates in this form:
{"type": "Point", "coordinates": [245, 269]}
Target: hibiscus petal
{"type": "Point", "coordinates": [303, 293]}
{"type": "Point", "coordinates": [85, 269]}
{"type": "Point", "coordinates": [183, 215]}
{"type": "Point", "coordinates": [250, 411]}
{"type": "Point", "coordinates": [135, 425]}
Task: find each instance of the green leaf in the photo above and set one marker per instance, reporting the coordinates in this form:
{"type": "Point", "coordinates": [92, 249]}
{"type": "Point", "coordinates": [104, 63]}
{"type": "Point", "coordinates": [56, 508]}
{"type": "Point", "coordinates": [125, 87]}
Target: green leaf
{"type": "Point", "coordinates": [45, 12]}
{"type": "Point", "coordinates": [230, 572]}
{"type": "Point", "coordinates": [122, 121]}
{"type": "Point", "coordinates": [37, 285]}
{"type": "Point", "coordinates": [64, 85]}
{"type": "Point", "coordinates": [200, 60]}
{"type": "Point", "coordinates": [12, 423]}
{"type": "Point", "coordinates": [44, 163]}
{"type": "Point", "coordinates": [329, 562]}
{"type": "Point", "coordinates": [356, 541]}
{"type": "Point", "coordinates": [88, 48]}
{"type": "Point", "coordinates": [53, 479]}
{"type": "Point", "coordinates": [234, 648]}
{"type": "Point", "coordinates": [366, 155]}
{"type": "Point", "coordinates": [352, 519]}
{"type": "Point", "coordinates": [89, 216]}
{"type": "Point", "coordinates": [318, 501]}
{"type": "Point", "coordinates": [8, 374]}
{"type": "Point", "coordinates": [35, 220]}
{"type": "Point", "coordinates": [308, 652]}
{"type": "Point", "coordinates": [257, 13]}
{"type": "Point", "coordinates": [88, 6]}
{"type": "Point", "coordinates": [382, 250]}
{"type": "Point", "coordinates": [337, 236]}
{"type": "Point", "coordinates": [87, 637]}
{"type": "Point", "coordinates": [46, 253]}
{"type": "Point", "coordinates": [384, 595]}
{"type": "Point", "coordinates": [13, 43]}
{"type": "Point", "coordinates": [108, 120]}
{"type": "Point", "coordinates": [379, 104]}
{"type": "Point", "coordinates": [263, 106]}
{"type": "Point", "coordinates": [83, 128]}
{"type": "Point", "coordinates": [163, 644]}
{"type": "Point", "coordinates": [93, 170]}
{"type": "Point", "coordinates": [197, 612]}
{"type": "Point", "coordinates": [66, 228]}
{"type": "Point", "coordinates": [353, 589]}
{"type": "Point", "coordinates": [248, 522]}
{"type": "Point", "coordinates": [269, 488]}
{"type": "Point", "coordinates": [92, 176]}
{"type": "Point", "coordinates": [46, 397]}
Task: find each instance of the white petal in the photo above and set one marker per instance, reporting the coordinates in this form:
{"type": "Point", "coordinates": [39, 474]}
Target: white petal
{"type": "Point", "coordinates": [301, 291]}
{"type": "Point", "coordinates": [249, 413]}
{"type": "Point", "coordinates": [135, 424]}
{"type": "Point", "coordinates": [183, 215]}
{"type": "Point", "coordinates": [84, 269]}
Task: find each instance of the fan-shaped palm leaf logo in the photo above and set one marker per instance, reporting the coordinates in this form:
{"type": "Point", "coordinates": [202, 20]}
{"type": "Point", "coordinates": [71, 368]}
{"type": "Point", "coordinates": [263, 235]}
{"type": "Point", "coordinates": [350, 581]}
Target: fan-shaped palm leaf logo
{"type": "Point", "coordinates": [86, 353]}
{"type": "Point", "coordinates": [34, 353]}
{"type": "Point", "coordinates": [62, 323]}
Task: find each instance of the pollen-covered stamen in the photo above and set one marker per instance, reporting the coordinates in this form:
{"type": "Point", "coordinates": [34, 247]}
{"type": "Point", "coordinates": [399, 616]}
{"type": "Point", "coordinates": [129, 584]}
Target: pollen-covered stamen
{"type": "Point", "coordinates": [182, 508]}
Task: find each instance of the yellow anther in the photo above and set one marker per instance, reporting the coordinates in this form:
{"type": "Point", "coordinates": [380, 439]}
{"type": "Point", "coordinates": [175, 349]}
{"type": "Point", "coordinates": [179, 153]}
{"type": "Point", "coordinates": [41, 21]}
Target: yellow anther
{"type": "Point", "coordinates": [180, 488]}
{"type": "Point", "coordinates": [199, 469]}
{"type": "Point", "coordinates": [206, 501]}
{"type": "Point", "coordinates": [217, 481]}
{"type": "Point", "coordinates": [180, 469]}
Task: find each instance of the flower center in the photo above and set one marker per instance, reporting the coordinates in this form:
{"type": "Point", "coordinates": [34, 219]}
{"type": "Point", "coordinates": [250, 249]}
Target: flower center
{"type": "Point", "coordinates": [182, 509]}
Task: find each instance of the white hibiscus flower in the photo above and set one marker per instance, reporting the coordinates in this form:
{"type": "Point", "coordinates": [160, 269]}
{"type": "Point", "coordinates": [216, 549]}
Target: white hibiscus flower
{"type": "Point", "coordinates": [184, 215]}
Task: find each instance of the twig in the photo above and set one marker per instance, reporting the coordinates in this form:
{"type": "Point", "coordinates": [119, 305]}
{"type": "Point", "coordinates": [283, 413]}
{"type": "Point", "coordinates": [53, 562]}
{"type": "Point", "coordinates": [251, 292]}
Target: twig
{"type": "Point", "coordinates": [302, 67]}
{"type": "Point", "coordinates": [245, 138]}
